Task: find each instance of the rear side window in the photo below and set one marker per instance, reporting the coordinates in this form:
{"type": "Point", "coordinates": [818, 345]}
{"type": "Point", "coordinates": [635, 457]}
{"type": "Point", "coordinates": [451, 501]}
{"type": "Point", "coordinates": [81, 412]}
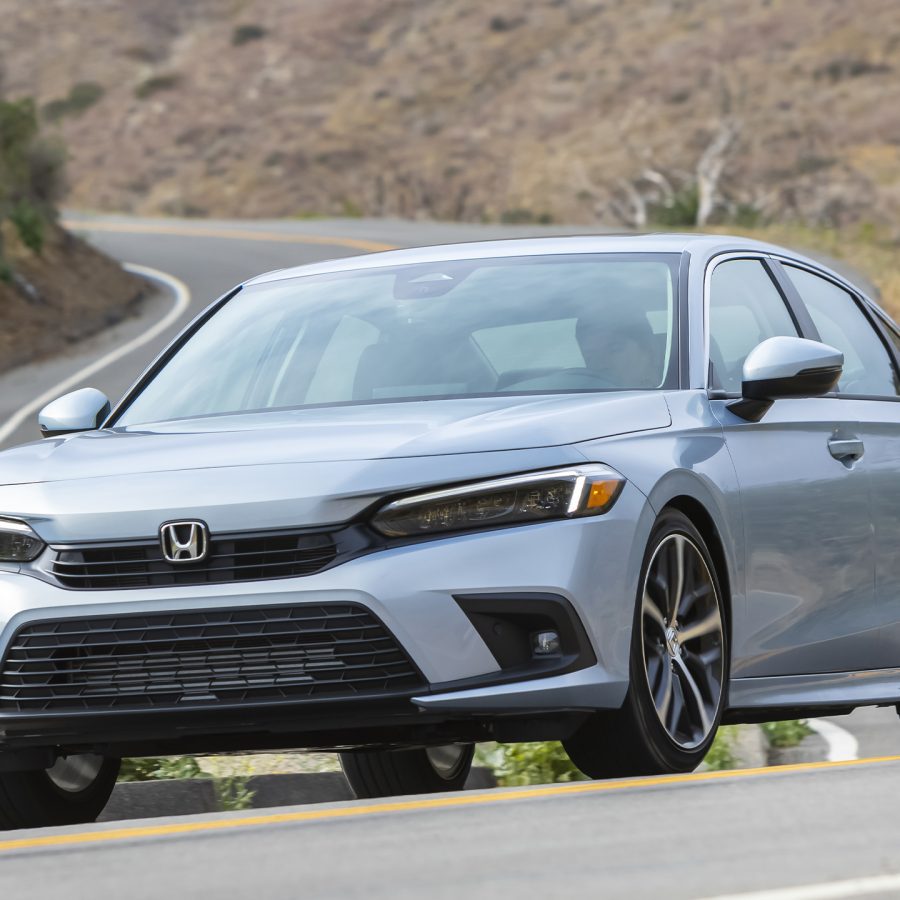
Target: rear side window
{"type": "Point", "coordinates": [868, 369]}
{"type": "Point", "coordinates": [745, 309]}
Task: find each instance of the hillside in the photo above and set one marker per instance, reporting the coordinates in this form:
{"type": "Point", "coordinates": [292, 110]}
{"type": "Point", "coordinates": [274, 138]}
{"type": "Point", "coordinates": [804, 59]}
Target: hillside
{"type": "Point", "coordinates": [570, 110]}
{"type": "Point", "coordinates": [64, 294]}
{"type": "Point", "coordinates": [54, 288]}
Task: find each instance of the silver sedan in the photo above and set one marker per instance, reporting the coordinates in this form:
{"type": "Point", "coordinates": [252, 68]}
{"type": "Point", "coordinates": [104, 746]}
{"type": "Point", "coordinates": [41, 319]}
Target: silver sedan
{"type": "Point", "coordinates": [607, 490]}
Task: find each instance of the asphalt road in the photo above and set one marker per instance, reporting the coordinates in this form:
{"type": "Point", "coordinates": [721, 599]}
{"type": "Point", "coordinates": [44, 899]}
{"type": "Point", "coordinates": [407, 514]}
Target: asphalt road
{"type": "Point", "coordinates": [685, 837]}
{"type": "Point", "coordinates": [694, 836]}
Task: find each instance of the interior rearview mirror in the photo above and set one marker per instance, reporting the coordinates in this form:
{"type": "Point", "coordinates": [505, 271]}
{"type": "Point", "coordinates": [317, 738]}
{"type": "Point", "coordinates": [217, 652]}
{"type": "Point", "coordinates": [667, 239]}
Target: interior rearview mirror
{"type": "Point", "coordinates": [783, 367]}
{"type": "Point", "coordinates": [82, 410]}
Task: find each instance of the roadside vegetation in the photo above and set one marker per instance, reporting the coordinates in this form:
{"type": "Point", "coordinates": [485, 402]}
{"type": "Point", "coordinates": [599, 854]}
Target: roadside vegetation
{"type": "Point", "coordinates": [54, 288]}
{"type": "Point", "coordinates": [232, 792]}
{"type": "Point", "coordinates": [31, 178]}
{"type": "Point", "coordinates": [513, 765]}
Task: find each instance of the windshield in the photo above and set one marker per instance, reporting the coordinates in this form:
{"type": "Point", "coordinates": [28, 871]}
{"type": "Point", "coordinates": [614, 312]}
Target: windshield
{"type": "Point", "coordinates": [545, 324]}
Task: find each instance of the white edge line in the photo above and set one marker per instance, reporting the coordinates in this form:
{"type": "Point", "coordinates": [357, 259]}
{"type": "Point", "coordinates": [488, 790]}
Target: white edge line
{"type": "Point", "coordinates": [829, 890]}
{"type": "Point", "coordinates": [841, 744]}
{"type": "Point", "coordinates": [182, 295]}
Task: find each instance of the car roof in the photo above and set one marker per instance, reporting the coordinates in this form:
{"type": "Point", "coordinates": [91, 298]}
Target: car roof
{"type": "Point", "coordinates": [702, 247]}
{"type": "Point", "coordinates": [700, 244]}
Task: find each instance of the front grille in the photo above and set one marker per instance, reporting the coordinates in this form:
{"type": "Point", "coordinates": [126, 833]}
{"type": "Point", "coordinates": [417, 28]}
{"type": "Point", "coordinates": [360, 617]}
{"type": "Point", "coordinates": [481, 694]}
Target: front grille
{"type": "Point", "coordinates": [200, 658]}
{"type": "Point", "coordinates": [251, 557]}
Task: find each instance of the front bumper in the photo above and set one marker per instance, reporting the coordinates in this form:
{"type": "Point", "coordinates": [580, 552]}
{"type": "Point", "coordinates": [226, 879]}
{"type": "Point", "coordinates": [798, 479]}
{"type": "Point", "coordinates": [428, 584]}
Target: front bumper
{"type": "Point", "coordinates": [591, 563]}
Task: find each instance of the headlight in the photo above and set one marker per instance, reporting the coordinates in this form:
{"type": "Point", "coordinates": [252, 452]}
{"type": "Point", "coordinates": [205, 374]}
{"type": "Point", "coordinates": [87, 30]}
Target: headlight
{"type": "Point", "coordinates": [588, 490]}
{"type": "Point", "coordinates": [18, 543]}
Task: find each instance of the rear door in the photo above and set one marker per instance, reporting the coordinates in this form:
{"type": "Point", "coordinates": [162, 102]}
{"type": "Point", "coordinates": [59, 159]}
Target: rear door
{"type": "Point", "coordinates": [871, 385]}
{"type": "Point", "coordinates": [809, 566]}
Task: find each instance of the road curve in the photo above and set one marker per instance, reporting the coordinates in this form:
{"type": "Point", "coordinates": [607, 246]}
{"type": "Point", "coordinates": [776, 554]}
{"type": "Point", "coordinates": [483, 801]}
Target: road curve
{"type": "Point", "coordinates": [693, 836]}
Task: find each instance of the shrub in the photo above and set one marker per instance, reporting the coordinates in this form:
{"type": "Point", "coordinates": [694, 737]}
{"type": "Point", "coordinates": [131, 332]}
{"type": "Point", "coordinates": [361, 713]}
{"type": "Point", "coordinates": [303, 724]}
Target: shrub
{"type": "Point", "coordinates": [232, 792]}
{"type": "Point", "coordinates": [721, 754]}
{"type": "Point", "coordinates": [29, 225]}
{"type": "Point", "coordinates": [679, 211]}
{"type": "Point", "coordinates": [156, 84]}
{"type": "Point", "coordinates": [81, 97]}
{"type": "Point", "coordinates": [786, 734]}
{"type": "Point", "coordinates": [30, 174]}
{"type": "Point", "coordinates": [528, 763]}
{"type": "Point", "coordinates": [521, 216]}
{"type": "Point", "coordinates": [243, 34]}
{"type": "Point", "coordinates": [149, 768]}
{"type": "Point", "coordinates": [546, 762]}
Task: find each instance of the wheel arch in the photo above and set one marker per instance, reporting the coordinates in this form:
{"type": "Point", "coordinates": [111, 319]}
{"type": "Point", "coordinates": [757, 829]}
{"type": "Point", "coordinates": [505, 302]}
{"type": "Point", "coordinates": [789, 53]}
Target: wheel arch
{"type": "Point", "coordinates": [705, 524]}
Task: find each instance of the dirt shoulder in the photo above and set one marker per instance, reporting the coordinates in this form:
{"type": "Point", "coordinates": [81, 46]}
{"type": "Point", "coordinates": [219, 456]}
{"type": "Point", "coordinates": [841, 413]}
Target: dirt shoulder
{"type": "Point", "coordinates": [65, 294]}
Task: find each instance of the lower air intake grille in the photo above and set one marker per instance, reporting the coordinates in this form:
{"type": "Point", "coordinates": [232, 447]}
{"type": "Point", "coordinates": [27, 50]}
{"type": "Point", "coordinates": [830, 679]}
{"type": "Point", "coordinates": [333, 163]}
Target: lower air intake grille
{"type": "Point", "coordinates": [200, 658]}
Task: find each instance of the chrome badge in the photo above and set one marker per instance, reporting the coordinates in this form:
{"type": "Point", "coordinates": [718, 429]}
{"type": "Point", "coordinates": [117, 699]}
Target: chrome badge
{"type": "Point", "coordinates": [184, 542]}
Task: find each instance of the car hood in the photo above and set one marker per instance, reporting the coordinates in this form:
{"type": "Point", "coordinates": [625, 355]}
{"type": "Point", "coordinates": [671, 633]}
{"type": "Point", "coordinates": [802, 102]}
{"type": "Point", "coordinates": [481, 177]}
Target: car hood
{"type": "Point", "coordinates": [381, 431]}
{"type": "Point", "coordinates": [294, 468]}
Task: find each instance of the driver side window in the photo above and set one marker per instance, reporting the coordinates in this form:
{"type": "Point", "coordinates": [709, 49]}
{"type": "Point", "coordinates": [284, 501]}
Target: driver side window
{"type": "Point", "coordinates": [745, 309]}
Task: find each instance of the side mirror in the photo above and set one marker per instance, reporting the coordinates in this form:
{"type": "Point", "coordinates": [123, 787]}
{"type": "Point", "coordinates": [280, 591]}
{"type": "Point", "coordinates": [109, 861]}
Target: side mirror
{"type": "Point", "coordinates": [82, 410]}
{"type": "Point", "coordinates": [784, 367]}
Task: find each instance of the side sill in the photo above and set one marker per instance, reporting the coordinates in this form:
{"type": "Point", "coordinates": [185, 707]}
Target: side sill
{"type": "Point", "coordinates": [813, 693]}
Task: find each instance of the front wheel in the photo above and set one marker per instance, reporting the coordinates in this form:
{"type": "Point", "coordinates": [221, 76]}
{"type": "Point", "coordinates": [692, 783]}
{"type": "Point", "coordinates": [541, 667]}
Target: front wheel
{"type": "Point", "coordinates": [423, 770]}
{"type": "Point", "coordinates": [678, 669]}
{"type": "Point", "coordinates": [71, 792]}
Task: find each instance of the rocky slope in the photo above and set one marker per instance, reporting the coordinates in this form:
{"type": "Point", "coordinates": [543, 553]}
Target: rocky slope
{"type": "Point", "coordinates": [575, 110]}
{"type": "Point", "coordinates": [66, 293]}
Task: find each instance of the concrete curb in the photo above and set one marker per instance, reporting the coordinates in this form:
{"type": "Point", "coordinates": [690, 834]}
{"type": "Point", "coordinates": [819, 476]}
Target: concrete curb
{"type": "Point", "coordinates": [188, 796]}
{"type": "Point", "coordinates": [813, 748]}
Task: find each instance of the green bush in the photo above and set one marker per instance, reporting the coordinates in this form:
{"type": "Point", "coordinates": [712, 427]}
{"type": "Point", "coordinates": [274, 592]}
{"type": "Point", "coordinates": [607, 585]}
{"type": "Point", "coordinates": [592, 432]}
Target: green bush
{"type": "Point", "coordinates": [522, 216]}
{"type": "Point", "coordinates": [721, 754]}
{"type": "Point", "coordinates": [232, 792]}
{"type": "Point", "coordinates": [243, 34]}
{"type": "Point", "coordinates": [149, 768]}
{"type": "Point", "coordinates": [546, 762]}
{"type": "Point", "coordinates": [786, 734]}
{"type": "Point", "coordinates": [29, 224]}
{"type": "Point", "coordinates": [31, 170]}
{"type": "Point", "coordinates": [81, 97]}
{"type": "Point", "coordinates": [679, 211]}
{"type": "Point", "coordinates": [542, 762]}
{"type": "Point", "coordinates": [156, 84]}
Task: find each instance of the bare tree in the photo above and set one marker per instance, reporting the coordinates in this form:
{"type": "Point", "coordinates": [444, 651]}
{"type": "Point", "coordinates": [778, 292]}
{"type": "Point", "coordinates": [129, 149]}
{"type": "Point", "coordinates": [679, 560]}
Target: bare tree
{"type": "Point", "coordinates": [710, 166]}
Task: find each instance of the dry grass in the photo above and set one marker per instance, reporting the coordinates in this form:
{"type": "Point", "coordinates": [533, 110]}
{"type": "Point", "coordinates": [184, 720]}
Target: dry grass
{"type": "Point", "coordinates": [459, 109]}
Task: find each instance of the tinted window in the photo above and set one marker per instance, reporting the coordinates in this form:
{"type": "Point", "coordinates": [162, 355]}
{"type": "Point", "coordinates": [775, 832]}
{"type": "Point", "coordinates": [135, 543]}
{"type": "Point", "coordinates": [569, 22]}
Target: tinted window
{"type": "Point", "coordinates": [867, 366]}
{"type": "Point", "coordinates": [588, 322]}
{"type": "Point", "coordinates": [745, 309]}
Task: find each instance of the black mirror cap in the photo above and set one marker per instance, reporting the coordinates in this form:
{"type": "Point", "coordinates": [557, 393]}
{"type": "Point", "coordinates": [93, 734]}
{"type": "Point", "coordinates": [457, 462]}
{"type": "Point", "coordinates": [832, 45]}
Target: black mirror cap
{"type": "Point", "coordinates": [808, 383]}
{"type": "Point", "coordinates": [758, 396]}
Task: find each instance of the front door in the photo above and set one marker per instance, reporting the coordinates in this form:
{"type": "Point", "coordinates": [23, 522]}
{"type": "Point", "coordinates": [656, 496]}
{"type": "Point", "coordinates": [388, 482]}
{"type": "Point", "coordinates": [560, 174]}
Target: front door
{"type": "Point", "coordinates": [808, 550]}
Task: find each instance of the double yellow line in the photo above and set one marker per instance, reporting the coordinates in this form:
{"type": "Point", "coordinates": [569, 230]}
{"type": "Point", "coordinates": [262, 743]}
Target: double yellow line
{"type": "Point", "coordinates": [135, 832]}
{"type": "Point", "coordinates": [241, 234]}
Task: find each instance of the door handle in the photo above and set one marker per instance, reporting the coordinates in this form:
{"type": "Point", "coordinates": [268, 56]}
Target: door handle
{"type": "Point", "coordinates": [846, 449]}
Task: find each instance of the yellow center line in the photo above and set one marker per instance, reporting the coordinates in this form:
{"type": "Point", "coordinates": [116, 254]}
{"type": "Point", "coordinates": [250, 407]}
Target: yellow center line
{"type": "Point", "coordinates": [425, 803]}
{"type": "Point", "coordinates": [242, 234]}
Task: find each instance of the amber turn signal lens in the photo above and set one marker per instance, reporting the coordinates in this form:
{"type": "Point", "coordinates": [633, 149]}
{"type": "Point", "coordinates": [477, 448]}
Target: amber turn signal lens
{"type": "Point", "coordinates": [602, 493]}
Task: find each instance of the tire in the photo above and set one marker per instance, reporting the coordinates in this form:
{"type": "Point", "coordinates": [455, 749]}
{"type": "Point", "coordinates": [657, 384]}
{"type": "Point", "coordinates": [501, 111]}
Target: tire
{"type": "Point", "coordinates": [423, 770]}
{"type": "Point", "coordinates": [72, 792]}
{"type": "Point", "coordinates": [679, 665]}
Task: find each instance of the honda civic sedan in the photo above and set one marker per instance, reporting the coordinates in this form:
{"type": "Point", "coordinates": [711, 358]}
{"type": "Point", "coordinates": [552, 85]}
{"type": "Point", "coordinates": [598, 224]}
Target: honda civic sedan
{"type": "Point", "coordinates": [611, 491]}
